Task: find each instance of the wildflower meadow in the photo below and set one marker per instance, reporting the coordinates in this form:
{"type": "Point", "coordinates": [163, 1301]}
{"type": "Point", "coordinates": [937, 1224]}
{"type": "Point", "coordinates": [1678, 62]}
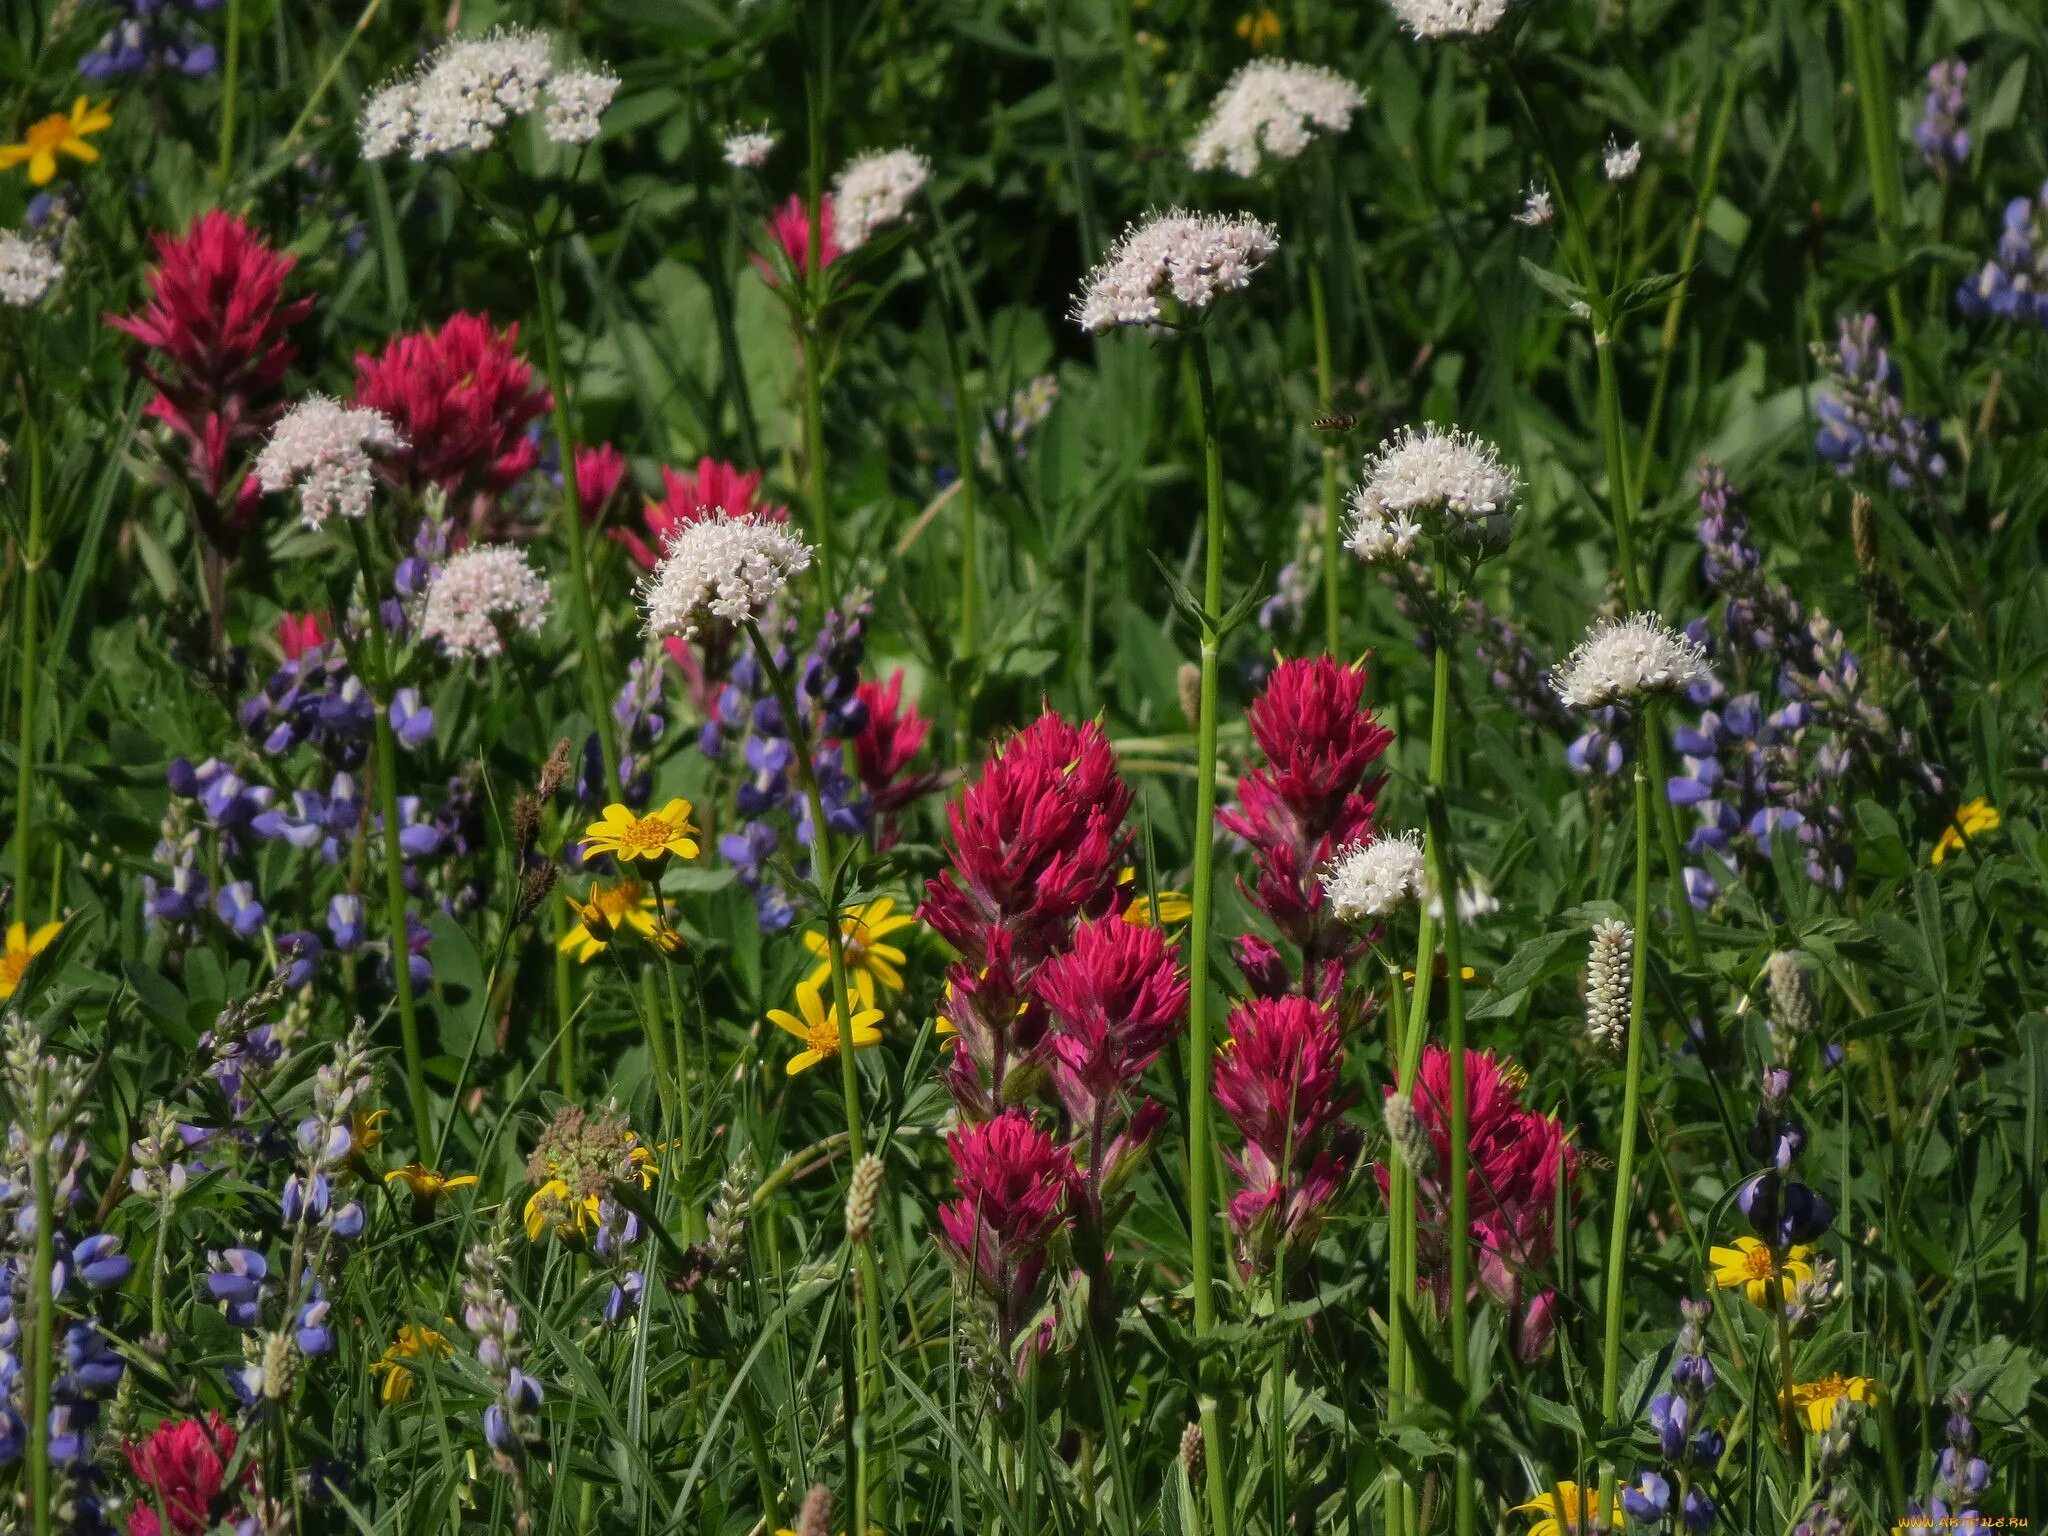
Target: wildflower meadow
{"type": "Point", "coordinates": [1023, 767]}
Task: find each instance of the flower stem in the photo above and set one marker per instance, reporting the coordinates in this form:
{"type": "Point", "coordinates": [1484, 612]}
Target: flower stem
{"type": "Point", "coordinates": [1874, 105]}
{"type": "Point", "coordinates": [1326, 397]}
{"type": "Point", "coordinates": [1077, 151]}
{"type": "Point", "coordinates": [1612, 1302]}
{"type": "Point", "coordinates": [810, 337]}
{"type": "Point", "coordinates": [970, 533]}
{"type": "Point", "coordinates": [27, 664]}
{"type": "Point", "coordinates": [42, 1307]}
{"type": "Point", "coordinates": [582, 610]}
{"type": "Point", "coordinates": [230, 78]}
{"type": "Point", "coordinates": [386, 750]}
{"type": "Point", "coordinates": [1620, 501]}
{"type": "Point", "coordinates": [1201, 1151]}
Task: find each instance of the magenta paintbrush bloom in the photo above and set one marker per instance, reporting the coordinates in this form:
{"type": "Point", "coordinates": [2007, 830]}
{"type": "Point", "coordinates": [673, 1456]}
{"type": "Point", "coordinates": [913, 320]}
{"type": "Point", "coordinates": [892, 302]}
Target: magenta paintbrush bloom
{"type": "Point", "coordinates": [1117, 1000]}
{"type": "Point", "coordinates": [1014, 1182]}
{"type": "Point", "coordinates": [462, 399]}
{"type": "Point", "coordinates": [600, 472]}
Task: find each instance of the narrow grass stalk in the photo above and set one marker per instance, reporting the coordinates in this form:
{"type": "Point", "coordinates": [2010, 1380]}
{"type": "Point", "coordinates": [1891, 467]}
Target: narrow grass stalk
{"type": "Point", "coordinates": [964, 452]}
{"type": "Point", "coordinates": [1612, 1301]}
{"type": "Point", "coordinates": [582, 608]}
{"type": "Point", "coordinates": [1326, 398]}
{"type": "Point", "coordinates": [1201, 1051]}
{"type": "Point", "coordinates": [1620, 501]}
{"type": "Point", "coordinates": [230, 81]}
{"type": "Point", "coordinates": [1864, 30]}
{"type": "Point", "coordinates": [27, 663]}
{"type": "Point", "coordinates": [386, 749]}
{"type": "Point", "coordinates": [810, 338]}
{"type": "Point", "coordinates": [1070, 124]}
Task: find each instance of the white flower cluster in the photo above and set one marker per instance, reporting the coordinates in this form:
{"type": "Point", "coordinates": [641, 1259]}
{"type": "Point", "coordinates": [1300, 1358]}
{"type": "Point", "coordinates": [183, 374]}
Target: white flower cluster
{"type": "Point", "coordinates": [1619, 163]}
{"type": "Point", "coordinates": [720, 569]}
{"type": "Point", "coordinates": [1193, 257]}
{"type": "Point", "coordinates": [1369, 880]}
{"type": "Point", "coordinates": [1449, 18]}
{"type": "Point", "coordinates": [481, 596]}
{"type": "Point", "coordinates": [463, 97]}
{"type": "Point", "coordinates": [323, 448]}
{"type": "Point", "coordinates": [576, 101]}
{"type": "Point", "coordinates": [1273, 107]}
{"type": "Point", "coordinates": [748, 150]}
{"type": "Point", "coordinates": [1536, 209]}
{"type": "Point", "coordinates": [27, 271]}
{"type": "Point", "coordinates": [1445, 484]}
{"type": "Point", "coordinates": [1610, 966]}
{"type": "Point", "coordinates": [873, 190]}
{"type": "Point", "coordinates": [1623, 660]}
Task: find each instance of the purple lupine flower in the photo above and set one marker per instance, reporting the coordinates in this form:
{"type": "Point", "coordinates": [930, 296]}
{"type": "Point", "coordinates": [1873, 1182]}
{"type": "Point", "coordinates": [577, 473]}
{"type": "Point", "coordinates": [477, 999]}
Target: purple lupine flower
{"type": "Point", "coordinates": [99, 1262]}
{"type": "Point", "coordinates": [1864, 425]}
{"type": "Point", "coordinates": [237, 906]}
{"type": "Point", "coordinates": [155, 36]}
{"type": "Point", "coordinates": [411, 721]}
{"type": "Point", "coordinates": [299, 952]}
{"type": "Point", "coordinates": [2013, 283]}
{"type": "Point", "coordinates": [1687, 1456]}
{"type": "Point", "coordinates": [347, 920]}
{"type": "Point", "coordinates": [1943, 132]}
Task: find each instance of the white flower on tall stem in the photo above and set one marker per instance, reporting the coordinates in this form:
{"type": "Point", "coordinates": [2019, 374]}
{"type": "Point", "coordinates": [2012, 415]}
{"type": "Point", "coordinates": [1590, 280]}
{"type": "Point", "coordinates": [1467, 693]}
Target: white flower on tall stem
{"type": "Point", "coordinates": [464, 95]}
{"type": "Point", "coordinates": [1190, 258]}
{"type": "Point", "coordinates": [1449, 18]}
{"type": "Point", "coordinates": [874, 190]}
{"type": "Point", "coordinates": [748, 149]}
{"type": "Point", "coordinates": [323, 448]}
{"type": "Point", "coordinates": [1375, 878]}
{"type": "Point", "coordinates": [720, 569]}
{"type": "Point", "coordinates": [1536, 208]}
{"type": "Point", "coordinates": [576, 100]}
{"type": "Point", "coordinates": [1620, 163]}
{"type": "Point", "coordinates": [1272, 107]}
{"type": "Point", "coordinates": [1448, 485]}
{"type": "Point", "coordinates": [481, 596]}
{"type": "Point", "coordinates": [1624, 661]}
{"type": "Point", "coordinates": [27, 271]}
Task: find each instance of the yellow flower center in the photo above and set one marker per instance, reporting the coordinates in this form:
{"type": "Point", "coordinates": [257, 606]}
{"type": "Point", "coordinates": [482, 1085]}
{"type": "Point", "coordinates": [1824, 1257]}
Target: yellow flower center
{"type": "Point", "coordinates": [1758, 1262]}
{"type": "Point", "coordinates": [615, 901]}
{"type": "Point", "coordinates": [648, 835]}
{"type": "Point", "coordinates": [49, 134]}
{"type": "Point", "coordinates": [824, 1037]}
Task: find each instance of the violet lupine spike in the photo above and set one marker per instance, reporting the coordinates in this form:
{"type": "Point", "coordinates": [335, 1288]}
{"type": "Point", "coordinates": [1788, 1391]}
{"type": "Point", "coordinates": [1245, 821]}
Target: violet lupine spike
{"type": "Point", "coordinates": [2013, 283]}
{"type": "Point", "coordinates": [1943, 133]}
{"type": "Point", "coordinates": [1864, 425]}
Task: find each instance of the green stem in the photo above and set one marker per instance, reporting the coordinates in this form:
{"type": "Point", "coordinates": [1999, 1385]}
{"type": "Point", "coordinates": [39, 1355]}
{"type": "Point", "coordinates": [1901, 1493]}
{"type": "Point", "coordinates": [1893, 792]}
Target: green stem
{"type": "Point", "coordinates": [1612, 1301]}
{"type": "Point", "coordinates": [582, 610]}
{"type": "Point", "coordinates": [565, 1007]}
{"type": "Point", "coordinates": [1400, 1197]}
{"type": "Point", "coordinates": [386, 749]}
{"type": "Point", "coordinates": [1077, 152]}
{"type": "Point", "coordinates": [42, 1308]}
{"type": "Point", "coordinates": [814, 457]}
{"type": "Point", "coordinates": [1621, 503]}
{"type": "Point", "coordinates": [970, 535]}
{"type": "Point", "coordinates": [1874, 108]}
{"type": "Point", "coordinates": [27, 665]}
{"type": "Point", "coordinates": [230, 77]}
{"type": "Point", "coordinates": [1201, 1137]}
{"type": "Point", "coordinates": [1326, 397]}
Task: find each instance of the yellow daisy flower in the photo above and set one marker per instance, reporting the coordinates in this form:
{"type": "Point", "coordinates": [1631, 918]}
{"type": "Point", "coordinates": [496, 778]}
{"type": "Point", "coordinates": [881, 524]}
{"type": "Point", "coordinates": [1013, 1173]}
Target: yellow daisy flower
{"type": "Point", "coordinates": [1749, 1265]}
{"type": "Point", "coordinates": [413, 1341]}
{"type": "Point", "coordinates": [654, 836]}
{"type": "Point", "coordinates": [868, 959]}
{"type": "Point", "coordinates": [1972, 821]}
{"type": "Point", "coordinates": [427, 1186]}
{"type": "Point", "coordinates": [1567, 1510]}
{"type": "Point", "coordinates": [817, 1025]}
{"type": "Point", "coordinates": [22, 947]}
{"type": "Point", "coordinates": [59, 133]}
{"type": "Point", "coordinates": [621, 904]}
{"type": "Point", "coordinates": [1816, 1400]}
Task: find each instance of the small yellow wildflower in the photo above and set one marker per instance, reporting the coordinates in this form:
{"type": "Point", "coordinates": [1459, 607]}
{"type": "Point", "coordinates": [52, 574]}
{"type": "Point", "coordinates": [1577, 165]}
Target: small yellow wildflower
{"type": "Point", "coordinates": [22, 947]}
{"type": "Point", "coordinates": [621, 904]}
{"type": "Point", "coordinates": [654, 836]}
{"type": "Point", "coordinates": [1749, 1265]}
{"type": "Point", "coordinates": [1565, 1509]}
{"type": "Point", "coordinates": [1816, 1399]}
{"type": "Point", "coordinates": [58, 133]}
{"type": "Point", "coordinates": [868, 960]}
{"type": "Point", "coordinates": [1166, 909]}
{"type": "Point", "coordinates": [427, 1186]}
{"type": "Point", "coordinates": [817, 1025]}
{"type": "Point", "coordinates": [412, 1343]}
{"type": "Point", "coordinates": [1260, 28]}
{"type": "Point", "coordinates": [1972, 821]}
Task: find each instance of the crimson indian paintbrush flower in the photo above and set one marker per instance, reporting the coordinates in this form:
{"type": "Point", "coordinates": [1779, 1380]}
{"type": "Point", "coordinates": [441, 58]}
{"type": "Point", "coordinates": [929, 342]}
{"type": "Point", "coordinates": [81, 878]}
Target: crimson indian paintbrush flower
{"type": "Point", "coordinates": [1311, 797]}
{"type": "Point", "coordinates": [462, 398]}
{"type": "Point", "coordinates": [1511, 1189]}
{"type": "Point", "coordinates": [685, 499]}
{"type": "Point", "coordinates": [886, 748]}
{"type": "Point", "coordinates": [1014, 1183]}
{"type": "Point", "coordinates": [790, 228]}
{"type": "Point", "coordinates": [1280, 1080]}
{"type": "Point", "coordinates": [1117, 1000]}
{"type": "Point", "coordinates": [600, 471]}
{"type": "Point", "coordinates": [217, 323]}
{"type": "Point", "coordinates": [182, 1468]}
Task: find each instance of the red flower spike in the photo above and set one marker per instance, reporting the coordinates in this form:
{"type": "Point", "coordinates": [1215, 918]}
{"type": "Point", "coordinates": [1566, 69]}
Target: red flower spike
{"type": "Point", "coordinates": [1117, 1001]}
{"type": "Point", "coordinates": [716, 487]}
{"type": "Point", "coordinates": [298, 633]}
{"type": "Point", "coordinates": [182, 1466]}
{"type": "Point", "coordinates": [600, 471]}
{"type": "Point", "coordinates": [462, 398]}
{"type": "Point", "coordinates": [1014, 1181]}
{"type": "Point", "coordinates": [217, 321]}
{"type": "Point", "coordinates": [790, 228]}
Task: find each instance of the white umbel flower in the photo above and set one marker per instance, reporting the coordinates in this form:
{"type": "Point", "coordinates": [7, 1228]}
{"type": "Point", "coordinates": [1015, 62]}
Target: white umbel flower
{"type": "Point", "coordinates": [481, 596]}
{"type": "Point", "coordinates": [1619, 163]}
{"type": "Point", "coordinates": [722, 569]}
{"type": "Point", "coordinates": [1449, 18]}
{"type": "Point", "coordinates": [1536, 209]}
{"type": "Point", "coordinates": [576, 100]}
{"type": "Point", "coordinates": [461, 98]}
{"type": "Point", "coordinates": [1445, 484]}
{"type": "Point", "coordinates": [1375, 879]}
{"type": "Point", "coordinates": [1610, 968]}
{"type": "Point", "coordinates": [1272, 107]}
{"type": "Point", "coordinates": [874, 190]}
{"type": "Point", "coordinates": [27, 271]}
{"type": "Point", "coordinates": [1623, 660]}
{"type": "Point", "coordinates": [748, 150]}
{"type": "Point", "coordinates": [1192, 258]}
{"type": "Point", "coordinates": [323, 448]}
